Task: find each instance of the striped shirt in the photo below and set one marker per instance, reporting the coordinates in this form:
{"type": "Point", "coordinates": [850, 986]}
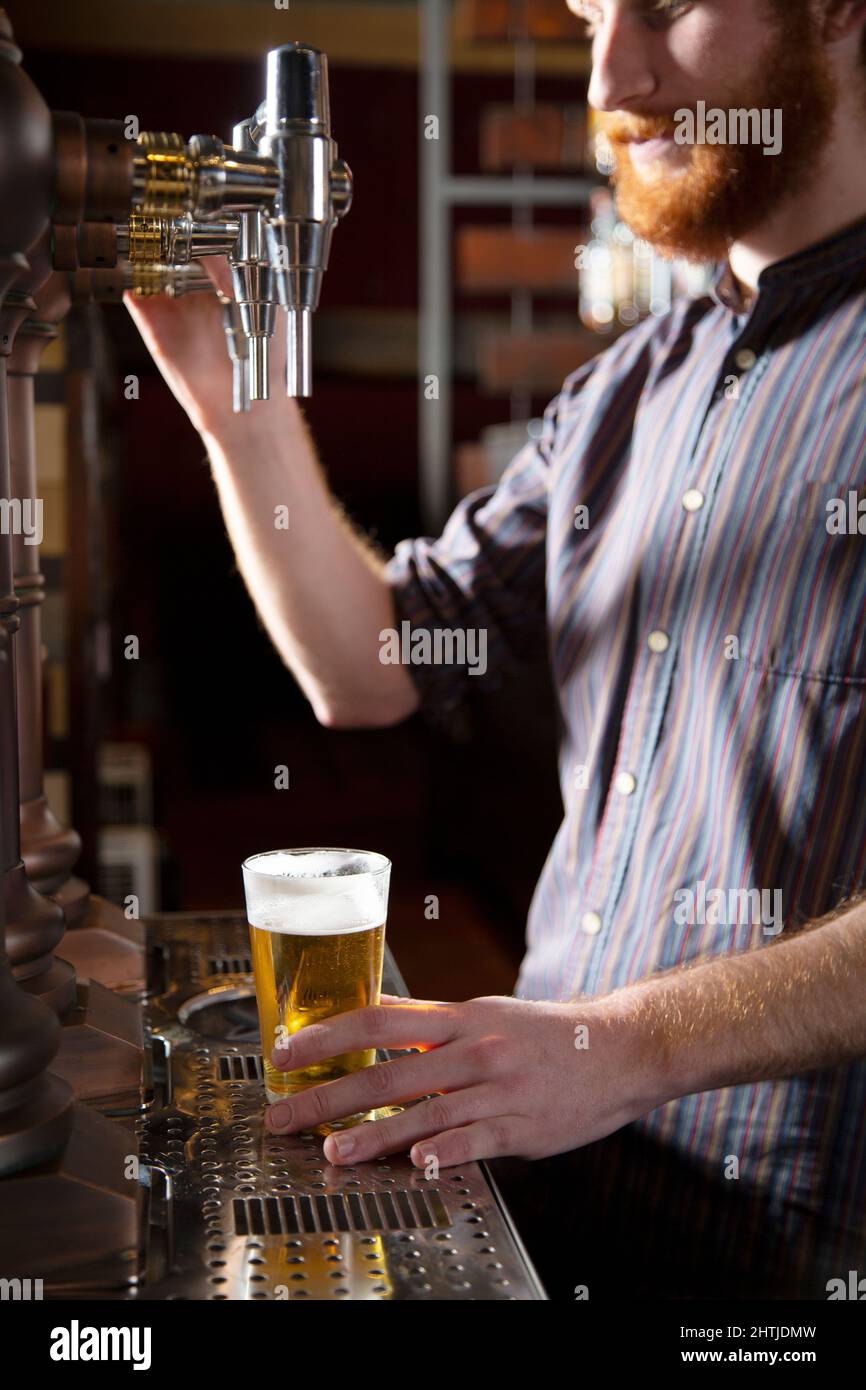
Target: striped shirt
{"type": "Point", "coordinates": [683, 536]}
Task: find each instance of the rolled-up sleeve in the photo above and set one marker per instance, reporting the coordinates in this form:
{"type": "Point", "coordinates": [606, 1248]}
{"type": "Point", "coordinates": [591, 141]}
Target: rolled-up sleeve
{"type": "Point", "coordinates": [483, 577]}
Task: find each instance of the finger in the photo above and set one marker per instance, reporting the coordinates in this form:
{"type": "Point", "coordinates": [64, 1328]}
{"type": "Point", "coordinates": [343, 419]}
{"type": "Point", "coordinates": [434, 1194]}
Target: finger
{"type": "Point", "coordinates": [217, 267]}
{"type": "Point", "coordinates": [156, 316]}
{"type": "Point", "coordinates": [379, 1025]}
{"type": "Point", "coordinates": [420, 1123]}
{"type": "Point", "coordinates": [279, 1055]}
{"type": "Point", "coordinates": [495, 1137]}
{"type": "Point", "coordinates": [384, 1083]}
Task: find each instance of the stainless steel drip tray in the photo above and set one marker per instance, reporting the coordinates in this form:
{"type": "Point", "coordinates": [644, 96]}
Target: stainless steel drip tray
{"type": "Point", "coordinates": [235, 1212]}
{"type": "Point", "coordinates": [226, 1013]}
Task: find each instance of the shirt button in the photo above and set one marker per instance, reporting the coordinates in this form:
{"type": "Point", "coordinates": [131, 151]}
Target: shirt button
{"type": "Point", "coordinates": [693, 500]}
{"type": "Point", "coordinates": [591, 923]}
{"type": "Point", "coordinates": [746, 359]}
{"type": "Point", "coordinates": [625, 783]}
{"type": "Point", "coordinates": [658, 641]}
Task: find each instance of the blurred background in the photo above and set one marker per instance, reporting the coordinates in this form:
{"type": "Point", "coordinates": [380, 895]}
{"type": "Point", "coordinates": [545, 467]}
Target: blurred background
{"type": "Point", "coordinates": [489, 255]}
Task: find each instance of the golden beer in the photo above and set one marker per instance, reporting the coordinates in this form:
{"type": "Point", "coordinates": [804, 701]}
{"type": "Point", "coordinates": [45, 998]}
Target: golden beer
{"type": "Point", "coordinates": [301, 979]}
{"type": "Point", "coordinates": [317, 933]}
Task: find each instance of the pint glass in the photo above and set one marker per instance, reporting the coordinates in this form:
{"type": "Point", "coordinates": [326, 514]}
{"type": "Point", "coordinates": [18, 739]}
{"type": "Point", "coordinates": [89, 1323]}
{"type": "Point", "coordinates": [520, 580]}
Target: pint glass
{"type": "Point", "coordinates": [317, 931]}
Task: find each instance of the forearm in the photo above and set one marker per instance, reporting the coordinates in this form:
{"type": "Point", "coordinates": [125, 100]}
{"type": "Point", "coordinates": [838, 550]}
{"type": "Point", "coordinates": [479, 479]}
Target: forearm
{"type": "Point", "coordinates": [318, 586]}
{"type": "Point", "coordinates": [790, 1007]}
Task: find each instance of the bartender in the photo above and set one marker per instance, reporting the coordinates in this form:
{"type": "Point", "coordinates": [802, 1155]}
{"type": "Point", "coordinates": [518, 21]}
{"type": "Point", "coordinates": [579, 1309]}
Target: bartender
{"type": "Point", "coordinates": [676, 1092]}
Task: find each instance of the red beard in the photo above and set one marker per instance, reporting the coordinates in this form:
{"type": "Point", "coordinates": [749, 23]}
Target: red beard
{"type": "Point", "coordinates": [724, 191]}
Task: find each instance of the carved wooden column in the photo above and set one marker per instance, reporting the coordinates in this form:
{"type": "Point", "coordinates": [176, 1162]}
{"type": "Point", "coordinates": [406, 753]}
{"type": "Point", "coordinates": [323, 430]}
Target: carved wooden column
{"type": "Point", "coordinates": [35, 925]}
{"type": "Point", "coordinates": [35, 1108]}
{"type": "Point", "coordinates": [100, 1045]}
{"type": "Point", "coordinates": [64, 1194]}
{"type": "Point", "coordinates": [49, 850]}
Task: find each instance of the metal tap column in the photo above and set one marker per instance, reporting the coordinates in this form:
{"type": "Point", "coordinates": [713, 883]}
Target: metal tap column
{"type": "Point", "coordinates": [315, 191]}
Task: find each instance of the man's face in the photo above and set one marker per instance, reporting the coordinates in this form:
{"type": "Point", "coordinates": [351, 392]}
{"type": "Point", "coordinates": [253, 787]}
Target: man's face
{"type": "Point", "coordinates": [655, 58]}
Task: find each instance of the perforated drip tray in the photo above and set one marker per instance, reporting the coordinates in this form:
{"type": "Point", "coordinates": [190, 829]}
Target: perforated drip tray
{"type": "Point", "coordinates": [234, 1212]}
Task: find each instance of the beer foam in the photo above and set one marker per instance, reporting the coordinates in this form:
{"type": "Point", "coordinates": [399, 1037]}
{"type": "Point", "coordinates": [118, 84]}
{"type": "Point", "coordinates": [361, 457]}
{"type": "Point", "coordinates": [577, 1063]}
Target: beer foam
{"type": "Point", "coordinates": [301, 895]}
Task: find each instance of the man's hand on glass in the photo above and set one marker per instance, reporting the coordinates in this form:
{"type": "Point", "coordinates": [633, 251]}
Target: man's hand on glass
{"type": "Point", "coordinates": [500, 1076]}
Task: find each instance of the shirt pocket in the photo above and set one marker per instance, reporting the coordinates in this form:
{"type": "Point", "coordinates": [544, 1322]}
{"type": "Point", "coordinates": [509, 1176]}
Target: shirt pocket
{"type": "Point", "coordinates": [805, 611]}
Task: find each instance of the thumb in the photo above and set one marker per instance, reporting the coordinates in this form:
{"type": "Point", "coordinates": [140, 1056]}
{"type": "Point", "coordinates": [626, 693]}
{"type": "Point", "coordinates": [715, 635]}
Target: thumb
{"type": "Point", "coordinates": [165, 324]}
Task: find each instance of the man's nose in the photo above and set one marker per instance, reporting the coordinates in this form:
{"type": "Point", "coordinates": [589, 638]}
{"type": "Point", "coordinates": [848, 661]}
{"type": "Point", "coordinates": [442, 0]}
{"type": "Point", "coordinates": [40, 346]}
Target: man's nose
{"type": "Point", "coordinates": [621, 72]}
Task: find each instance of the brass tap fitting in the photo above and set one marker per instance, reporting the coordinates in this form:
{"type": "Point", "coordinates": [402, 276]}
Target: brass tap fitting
{"type": "Point", "coordinates": [174, 241]}
{"type": "Point", "coordinates": [201, 177]}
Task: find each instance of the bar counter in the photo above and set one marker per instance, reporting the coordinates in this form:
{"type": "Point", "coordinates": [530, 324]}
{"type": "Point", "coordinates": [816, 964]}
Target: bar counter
{"type": "Point", "coordinates": [233, 1212]}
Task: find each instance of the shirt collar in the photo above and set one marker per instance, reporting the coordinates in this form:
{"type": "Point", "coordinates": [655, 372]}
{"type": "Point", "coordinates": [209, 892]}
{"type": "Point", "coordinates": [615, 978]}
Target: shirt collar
{"type": "Point", "coordinates": [835, 256]}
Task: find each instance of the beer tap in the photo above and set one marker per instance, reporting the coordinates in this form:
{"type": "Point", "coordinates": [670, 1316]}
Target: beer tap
{"type": "Point", "coordinates": [314, 190]}
{"type": "Point", "coordinates": [174, 241]}
{"type": "Point", "coordinates": [173, 180]}
{"type": "Point", "coordinates": [254, 291]}
{"type": "Point", "coordinates": [283, 182]}
{"type": "Point", "coordinates": [160, 254]}
{"type": "Point", "coordinates": [238, 345]}
{"type": "Point", "coordinates": [201, 177]}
